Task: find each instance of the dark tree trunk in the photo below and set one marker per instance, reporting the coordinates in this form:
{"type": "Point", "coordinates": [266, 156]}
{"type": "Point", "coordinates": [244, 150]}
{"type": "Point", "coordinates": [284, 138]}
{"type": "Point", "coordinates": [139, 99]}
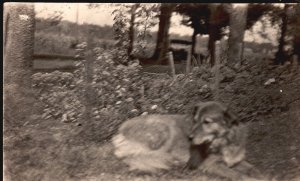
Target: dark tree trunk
{"type": "Point", "coordinates": [296, 34]}
{"type": "Point", "coordinates": [296, 47]}
{"type": "Point", "coordinates": [280, 54]}
{"type": "Point", "coordinates": [211, 48]}
{"type": "Point", "coordinates": [237, 23]}
{"type": "Point", "coordinates": [212, 34]}
{"type": "Point", "coordinates": [131, 30]}
{"type": "Point", "coordinates": [162, 42]}
{"type": "Point", "coordinates": [193, 42]}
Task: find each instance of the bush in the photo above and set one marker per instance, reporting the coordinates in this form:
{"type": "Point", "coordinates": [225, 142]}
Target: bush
{"type": "Point", "coordinates": [57, 92]}
{"type": "Point", "coordinates": [53, 44]}
{"type": "Point", "coordinates": [119, 92]}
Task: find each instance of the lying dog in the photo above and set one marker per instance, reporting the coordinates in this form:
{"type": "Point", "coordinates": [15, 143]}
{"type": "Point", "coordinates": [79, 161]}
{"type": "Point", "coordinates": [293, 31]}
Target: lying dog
{"type": "Point", "coordinates": [219, 139]}
{"type": "Point", "coordinates": [211, 139]}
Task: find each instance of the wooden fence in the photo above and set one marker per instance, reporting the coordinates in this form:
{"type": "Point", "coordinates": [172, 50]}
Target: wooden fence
{"type": "Point", "coordinates": [50, 62]}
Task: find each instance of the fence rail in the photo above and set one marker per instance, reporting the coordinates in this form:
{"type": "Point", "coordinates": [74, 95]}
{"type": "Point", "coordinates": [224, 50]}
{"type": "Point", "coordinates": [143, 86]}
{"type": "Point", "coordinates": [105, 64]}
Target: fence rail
{"type": "Point", "coordinates": [50, 62]}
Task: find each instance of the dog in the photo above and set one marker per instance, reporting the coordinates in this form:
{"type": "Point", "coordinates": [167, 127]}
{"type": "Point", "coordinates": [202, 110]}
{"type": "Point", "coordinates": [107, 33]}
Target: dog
{"type": "Point", "coordinates": [218, 143]}
{"type": "Point", "coordinates": [153, 142]}
{"type": "Point", "coordinates": [210, 139]}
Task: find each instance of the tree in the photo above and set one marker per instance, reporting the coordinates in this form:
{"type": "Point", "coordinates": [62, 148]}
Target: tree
{"type": "Point", "coordinates": [18, 43]}
{"type": "Point", "coordinates": [121, 33]}
{"type": "Point", "coordinates": [280, 54]}
{"type": "Point", "coordinates": [290, 33]}
{"type": "Point", "coordinates": [238, 16]}
{"type": "Point", "coordinates": [131, 29]}
{"type": "Point", "coordinates": [198, 19]}
{"type": "Point", "coordinates": [146, 18]}
{"type": "Point", "coordinates": [162, 42]}
{"type": "Point", "coordinates": [296, 31]}
{"type": "Point", "coordinates": [217, 21]}
{"type": "Point", "coordinates": [18, 52]}
{"type": "Point", "coordinates": [211, 19]}
{"type": "Point", "coordinates": [130, 26]}
{"type": "Point", "coordinates": [207, 19]}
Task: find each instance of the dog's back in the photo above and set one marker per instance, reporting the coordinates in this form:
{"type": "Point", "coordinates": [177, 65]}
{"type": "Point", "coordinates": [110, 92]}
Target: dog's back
{"type": "Point", "coordinates": [153, 142]}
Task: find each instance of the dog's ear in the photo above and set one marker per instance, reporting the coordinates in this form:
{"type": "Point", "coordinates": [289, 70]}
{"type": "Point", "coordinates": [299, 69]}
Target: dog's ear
{"type": "Point", "coordinates": [231, 117]}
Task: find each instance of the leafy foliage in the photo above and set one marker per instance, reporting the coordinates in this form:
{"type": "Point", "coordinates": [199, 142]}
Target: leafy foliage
{"type": "Point", "coordinates": [121, 31]}
{"type": "Point", "coordinates": [198, 16]}
{"type": "Point", "coordinates": [130, 22]}
{"type": "Point", "coordinates": [58, 93]}
{"type": "Point", "coordinates": [146, 18]}
{"type": "Point", "coordinates": [121, 92]}
{"type": "Point", "coordinates": [53, 43]}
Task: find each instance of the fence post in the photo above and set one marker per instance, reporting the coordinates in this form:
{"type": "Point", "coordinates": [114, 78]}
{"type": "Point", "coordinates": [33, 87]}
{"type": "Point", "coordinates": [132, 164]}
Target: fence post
{"type": "Point", "coordinates": [188, 61]}
{"type": "Point", "coordinates": [217, 73]}
{"type": "Point", "coordinates": [89, 72]}
{"type": "Point", "coordinates": [171, 63]}
{"type": "Point", "coordinates": [295, 62]}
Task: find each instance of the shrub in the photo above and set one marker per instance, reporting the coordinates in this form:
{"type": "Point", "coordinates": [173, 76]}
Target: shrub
{"type": "Point", "coordinates": [52, 43]}
{"type": "Point", "coordinates": [119, 92]}
{"type": "Point", "coordinates": [57, 92]}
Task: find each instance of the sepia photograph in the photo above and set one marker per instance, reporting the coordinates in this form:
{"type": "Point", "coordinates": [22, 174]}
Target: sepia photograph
{"type": "Point", "coordinates": [151, 91]}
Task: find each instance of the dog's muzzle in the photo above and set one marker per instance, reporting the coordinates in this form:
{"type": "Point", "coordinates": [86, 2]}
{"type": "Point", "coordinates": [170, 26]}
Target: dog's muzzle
{"type": "Point", "coordinates": [201, 138]}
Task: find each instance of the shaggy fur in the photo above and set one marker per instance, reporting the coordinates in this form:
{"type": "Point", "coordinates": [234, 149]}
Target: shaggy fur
{"type": "Point", "coordinates": [211, 139]}
{"type": "Point", "coordinates": [224, 138]}
{"type": "Point", "coordinates": [153, 142]}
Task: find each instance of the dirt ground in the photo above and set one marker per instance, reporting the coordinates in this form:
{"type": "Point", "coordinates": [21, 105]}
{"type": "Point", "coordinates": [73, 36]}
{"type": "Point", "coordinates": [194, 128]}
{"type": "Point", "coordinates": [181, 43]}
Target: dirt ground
{"type": "Point", "coordinates": [53, 150]}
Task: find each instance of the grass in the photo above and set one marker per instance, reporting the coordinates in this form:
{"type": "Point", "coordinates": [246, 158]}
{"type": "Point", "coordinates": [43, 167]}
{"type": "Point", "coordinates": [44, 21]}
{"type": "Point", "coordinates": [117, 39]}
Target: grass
{"type": "Point", "coordinates": [38, 149]}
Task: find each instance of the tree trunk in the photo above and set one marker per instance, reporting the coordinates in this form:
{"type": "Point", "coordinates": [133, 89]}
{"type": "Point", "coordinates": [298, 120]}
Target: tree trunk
{"type": "Point", "coordinates": [193, 42]}
{"type": "Point", "coordinates": [212, 34]}
{"type": "Point", "coordinates": [280, 54]}
{"type": "Point", "coordinates": [131, 30]}
{"type": "Point", "coordinates": [237, 23]}
{"type": "Point", "coordinates": [17, 63]}
{"type": "Point", "coordinates": [19, 43]}
{"type": "Point", "coordinates": [162, 42]}
{"type": "Point", "coordinates": [211, 48]}
{"type": "Point", "coordinates": [296, 34]}
{"type": "Point", "coordinates": [296, 47]}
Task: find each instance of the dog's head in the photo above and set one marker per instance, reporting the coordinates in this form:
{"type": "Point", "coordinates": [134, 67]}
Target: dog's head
{"type": "Point", "coordinates": [210, 121]}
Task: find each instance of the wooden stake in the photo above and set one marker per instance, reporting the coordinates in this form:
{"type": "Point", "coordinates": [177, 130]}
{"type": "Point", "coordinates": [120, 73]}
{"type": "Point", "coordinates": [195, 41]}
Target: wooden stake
{"type": "Point", "coordinates": [171, 63]}
{"type": "Point", "coordinates": [188, 62]}
{"type": "Point", "coordinates": [217, 74]}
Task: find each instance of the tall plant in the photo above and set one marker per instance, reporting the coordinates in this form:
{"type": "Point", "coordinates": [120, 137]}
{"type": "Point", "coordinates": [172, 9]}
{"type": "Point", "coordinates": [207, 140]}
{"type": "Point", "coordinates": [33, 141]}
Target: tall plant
{"type": "Point", "coordinates": [131, 24]}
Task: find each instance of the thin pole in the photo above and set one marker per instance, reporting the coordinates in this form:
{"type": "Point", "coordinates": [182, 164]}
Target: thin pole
{"type": "Point", "coordinates": [77, 29]}
{"type": "Point", "coordinates": [188, 61]}
{"type": "Point", "coordinates": [171, 63]}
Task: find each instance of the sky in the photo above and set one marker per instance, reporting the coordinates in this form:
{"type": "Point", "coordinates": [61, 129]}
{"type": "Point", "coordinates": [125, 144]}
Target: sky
{"type": "Point", "coordinates": [102, 16]}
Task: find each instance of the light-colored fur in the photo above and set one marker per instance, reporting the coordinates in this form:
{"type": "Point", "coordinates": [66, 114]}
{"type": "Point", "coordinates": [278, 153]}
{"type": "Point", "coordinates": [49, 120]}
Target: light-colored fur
{"type": "Point", "coordinates": [153, 142]}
